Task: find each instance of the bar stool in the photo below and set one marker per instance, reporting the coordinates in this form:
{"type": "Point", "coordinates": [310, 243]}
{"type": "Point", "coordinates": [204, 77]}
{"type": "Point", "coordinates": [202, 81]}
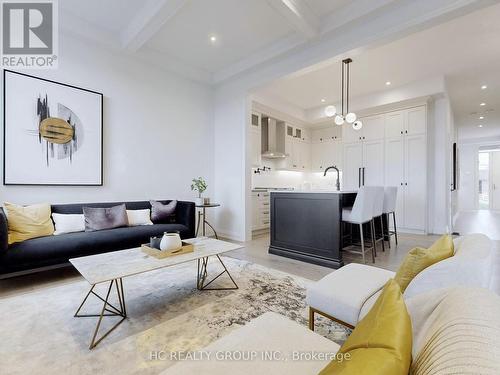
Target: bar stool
{"type": "Point", "coordinates": [390, 199]}
{"type": "Point", "coordinates": [362, 213]}
{"type": "Point", "coordinates": [378, 211]}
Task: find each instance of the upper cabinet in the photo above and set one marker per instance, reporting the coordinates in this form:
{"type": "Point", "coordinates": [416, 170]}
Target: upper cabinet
{"type": "Point", "coordinates": [373, 129]}
{"type": "Point", "coordinates": [256, 140]}
{"type": "Point", "coordinates": [409, 122]}
{"type": "Point", "coordinates": [331, 133]}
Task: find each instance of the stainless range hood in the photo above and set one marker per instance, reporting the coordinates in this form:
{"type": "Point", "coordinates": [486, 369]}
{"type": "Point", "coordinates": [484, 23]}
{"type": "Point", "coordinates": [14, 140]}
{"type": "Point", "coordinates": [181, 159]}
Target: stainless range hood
{"type": "Point", "coordinates": [273, 139]}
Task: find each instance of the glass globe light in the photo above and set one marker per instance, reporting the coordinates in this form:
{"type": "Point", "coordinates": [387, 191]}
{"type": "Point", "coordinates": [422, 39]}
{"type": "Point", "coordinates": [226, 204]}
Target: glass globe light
{"type": "Point", "coordinates": [351, 117]}
{"type": "Point", "coordinates": [339, 120]}
{"type": "Point", "coordinates": [330, 111]}
{"type": "Point", "coordinates": [357, 125]}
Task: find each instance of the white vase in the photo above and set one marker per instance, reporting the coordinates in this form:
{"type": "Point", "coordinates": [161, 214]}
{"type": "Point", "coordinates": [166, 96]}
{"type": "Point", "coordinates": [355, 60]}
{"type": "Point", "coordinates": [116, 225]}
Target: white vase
{"type": "Point", "coordinates": [199, 201]}
{"type": "Point", "coordinates": [170, 242]}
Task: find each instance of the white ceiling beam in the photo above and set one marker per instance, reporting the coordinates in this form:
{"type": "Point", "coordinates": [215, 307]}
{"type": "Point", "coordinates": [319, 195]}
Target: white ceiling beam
{"type": "Point", "coordinates": [298, 15]}
{"type": "Point", "coordinates": [149, 21]}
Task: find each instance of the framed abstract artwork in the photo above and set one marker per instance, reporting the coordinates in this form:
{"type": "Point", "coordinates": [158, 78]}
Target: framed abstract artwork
{"type": "Point", "coordinates": [52, 133]}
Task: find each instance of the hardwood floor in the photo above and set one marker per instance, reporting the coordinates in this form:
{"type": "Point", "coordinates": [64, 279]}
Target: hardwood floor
{"type": "Point", "coordinates": [480, 221]}
{"type": "Point", "coordinates": [256, 251]}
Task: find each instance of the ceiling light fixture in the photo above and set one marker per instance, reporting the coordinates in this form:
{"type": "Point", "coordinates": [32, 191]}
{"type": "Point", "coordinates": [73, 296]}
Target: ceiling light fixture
{"type": "Point", "coordinates": [323, 100]}
{"type": "Point", "coordinates": [480, 126]}
{"type": "Point", "coordinates": [481, 117]}
{"type": "Point", "coordinates": [213, 38]}
{"type": "Point", "coordinates": [344, 115]}
{"type": "Point", "coordinates": [482, 104]}
{"type": "Point", "coordinates": [388, 83]}
{"type": "Point", "coordinates": [484, 87]}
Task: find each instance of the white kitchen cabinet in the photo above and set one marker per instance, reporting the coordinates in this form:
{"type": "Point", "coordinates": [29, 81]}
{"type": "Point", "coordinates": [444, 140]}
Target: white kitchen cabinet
{"type": "Point", "coordinates": [332, 133]}
{"type": "Point", "coordinates": [352, 164]}
{"type": "Point", "coordinates": [406, 165]}
{"type": "Point", "coordinates": [255, 140]}
{"type": "Point", "coordinates": [417, 121]}
{"type": "Point", "coordinates": [373, 129]}
{"type": "Point", "coordinates": [261, 210]}
{"type": "Point", "coordinates": [363, 164]}
{"type": "Point", "coordinates": [395, 171]}
{"type": "Point", "coordinates": [406, 122]}
{"type": "Point", "coordinates": [415, 182]}
{"type": "Point", "coordinates": [325, 154]}
{"type": "Point", "coordinates": [373, 163]}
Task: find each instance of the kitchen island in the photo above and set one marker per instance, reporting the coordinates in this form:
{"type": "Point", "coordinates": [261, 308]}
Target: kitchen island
{"type": "Point", "coordinates": [306, 225]}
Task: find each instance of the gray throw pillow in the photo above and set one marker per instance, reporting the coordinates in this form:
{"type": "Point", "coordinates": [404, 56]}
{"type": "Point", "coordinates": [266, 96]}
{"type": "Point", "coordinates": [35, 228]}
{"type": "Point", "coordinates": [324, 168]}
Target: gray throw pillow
{"type": "Point", "coordinates": [163, 213]}
{"type": "Point", "coordinates": [105, 218]}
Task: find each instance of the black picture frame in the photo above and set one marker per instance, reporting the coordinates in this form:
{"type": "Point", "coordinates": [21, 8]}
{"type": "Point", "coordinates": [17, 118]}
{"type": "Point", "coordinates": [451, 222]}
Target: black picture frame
{"type": "Point", "coordinates": [5, 183]}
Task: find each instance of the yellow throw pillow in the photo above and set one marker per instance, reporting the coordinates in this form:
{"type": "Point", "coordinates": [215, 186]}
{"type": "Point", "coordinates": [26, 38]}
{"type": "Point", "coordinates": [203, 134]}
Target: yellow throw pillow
{"type": "Point", "coordinates": [381, 343]}
{"type": "Point", "coordinates": [27, 222]}
{"type": "Point", "coordinates": [419, 259]}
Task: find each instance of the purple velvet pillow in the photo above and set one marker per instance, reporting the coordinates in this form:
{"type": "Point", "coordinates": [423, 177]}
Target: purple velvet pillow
{"type": "Point", "coordinates": [105, 218]}
{"type": "Point", "coordinates": [163, 213]}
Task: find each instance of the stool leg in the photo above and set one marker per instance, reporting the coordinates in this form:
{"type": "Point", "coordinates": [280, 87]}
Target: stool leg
{"type": "Point", "coordinates": [374, 248]}
{"type": "Point", "coordinates": [362, 238]}
{"type": "Point", "coordinates": [388, 230]}
{"type": "Point", "coordinates": [395, 229]}
{"type": "Point", "coordinates": [383, 234]}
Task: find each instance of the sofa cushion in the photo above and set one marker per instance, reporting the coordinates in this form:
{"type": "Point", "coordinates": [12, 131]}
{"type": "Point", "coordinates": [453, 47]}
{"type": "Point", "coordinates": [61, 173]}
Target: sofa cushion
{"type": "Point", "coordinates": [419, 259]}
{"type": "Point", "coordinates": [162, 213]}
{"type": "Point", "coordinates": [68, 223]}
{"type": "Point", "coordinates": [25, 222]}
{"type": "Point", "coordinates": [342, 293]}
{"type": "Point", "coordinates": [456, 331]}
{"type": "Point", "coordinates": [100, 218]}
{"type": "Point", "coordinates": [269, 333]}
{"type": "Point", "coordinates": [381, 342]}
{"type": "Point", "coordinates": [470, 266]}
{"type": "Point", "coordinates": [44, 250]}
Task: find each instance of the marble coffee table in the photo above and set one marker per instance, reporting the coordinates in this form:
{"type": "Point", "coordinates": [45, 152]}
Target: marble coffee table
{"type": "Point", "coordinates": [113, 267]}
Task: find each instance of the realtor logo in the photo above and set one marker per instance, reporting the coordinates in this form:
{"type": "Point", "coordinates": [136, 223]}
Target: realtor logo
{"type": "Point", "coordinates": [29, 34]}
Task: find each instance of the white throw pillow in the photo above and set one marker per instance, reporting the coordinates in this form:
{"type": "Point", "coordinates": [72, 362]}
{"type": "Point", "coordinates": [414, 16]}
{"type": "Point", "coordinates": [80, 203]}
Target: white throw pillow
{"type": "Point", "coordinates": [68, 223]}
{"type": "Point", "coordinates": [139, 217]}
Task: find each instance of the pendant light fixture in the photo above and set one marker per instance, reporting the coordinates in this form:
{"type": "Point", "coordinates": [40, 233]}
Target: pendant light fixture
{"type": "Point", "coordinates": [344, 116]}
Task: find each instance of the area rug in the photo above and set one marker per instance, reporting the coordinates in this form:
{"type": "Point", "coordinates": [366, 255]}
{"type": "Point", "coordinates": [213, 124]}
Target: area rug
{"type": "Point", "coordinates": [166, 313]}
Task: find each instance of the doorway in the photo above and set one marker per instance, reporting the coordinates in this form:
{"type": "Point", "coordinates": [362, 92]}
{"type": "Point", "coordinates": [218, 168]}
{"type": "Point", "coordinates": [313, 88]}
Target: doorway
{"type": "Point", "coordinates": [483, 180]}
{"type": "Point", "coordinates": [489, 179]}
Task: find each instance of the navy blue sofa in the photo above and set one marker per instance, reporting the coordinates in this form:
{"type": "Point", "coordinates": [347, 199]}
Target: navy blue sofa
{"type": "Point", "coordinates": [47, 252]}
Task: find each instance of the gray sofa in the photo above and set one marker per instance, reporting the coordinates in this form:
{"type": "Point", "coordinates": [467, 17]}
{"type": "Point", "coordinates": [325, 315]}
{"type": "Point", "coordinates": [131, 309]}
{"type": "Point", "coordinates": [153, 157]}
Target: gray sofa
{"type": "Point", "coordinates": [47, 252]}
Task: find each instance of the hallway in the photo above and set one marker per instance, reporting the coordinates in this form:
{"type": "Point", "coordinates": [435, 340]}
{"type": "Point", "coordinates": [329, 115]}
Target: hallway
{"type": "Point", "coordinates": [483, 221]}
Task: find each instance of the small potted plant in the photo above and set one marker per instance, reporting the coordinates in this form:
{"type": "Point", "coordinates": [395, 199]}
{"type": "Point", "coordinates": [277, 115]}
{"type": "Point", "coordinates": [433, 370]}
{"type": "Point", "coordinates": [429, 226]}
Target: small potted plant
{"type": "Point", "coordinates": [200, 186]}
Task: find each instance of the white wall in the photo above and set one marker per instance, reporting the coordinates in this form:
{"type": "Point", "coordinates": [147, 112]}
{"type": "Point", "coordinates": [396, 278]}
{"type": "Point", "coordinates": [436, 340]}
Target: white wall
{"type": "Point", "coordinates": [440, 141]}
{"type": "Point", "coordinates": [231, 177]}
{"type": "Point", "coordinates": [158, 130]}
{"type": "Point", "coordinates": [467, 190]}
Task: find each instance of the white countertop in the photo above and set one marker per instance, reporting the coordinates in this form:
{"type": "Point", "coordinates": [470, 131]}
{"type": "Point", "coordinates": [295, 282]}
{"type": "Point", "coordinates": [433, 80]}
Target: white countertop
{"type": "Point", "coordinates": [315, 191]}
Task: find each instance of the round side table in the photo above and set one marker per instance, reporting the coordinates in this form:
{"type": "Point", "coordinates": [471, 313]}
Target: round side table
{"type": "Point", "coordinates": [202, 213]}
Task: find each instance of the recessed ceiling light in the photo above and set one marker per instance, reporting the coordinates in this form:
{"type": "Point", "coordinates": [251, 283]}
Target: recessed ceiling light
{"type": "Point", "coordinates": [388, 83]}
{"type": "Point", "coordinates": [480, 126]}
{"type": "Point", "coordinates": [482, 104]}
{"type": "Point", "coordinates": [484, 87]}
{"type": "Point", "coordinates": [323, 100]}
{"type": "Point", "coordinates": [213, 38]}
{"type": "Point", "coordinates": [481, 117]}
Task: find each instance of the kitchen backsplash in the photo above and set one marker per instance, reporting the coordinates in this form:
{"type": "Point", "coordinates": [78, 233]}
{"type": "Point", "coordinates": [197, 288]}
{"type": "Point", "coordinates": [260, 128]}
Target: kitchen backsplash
{"type": "Point", "coordinates": [296, 180]}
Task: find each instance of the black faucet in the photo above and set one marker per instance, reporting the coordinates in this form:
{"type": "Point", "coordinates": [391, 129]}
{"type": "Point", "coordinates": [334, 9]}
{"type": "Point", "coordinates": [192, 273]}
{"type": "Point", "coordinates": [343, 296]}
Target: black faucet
{"type": "Point", "coordinates": [338, 175]}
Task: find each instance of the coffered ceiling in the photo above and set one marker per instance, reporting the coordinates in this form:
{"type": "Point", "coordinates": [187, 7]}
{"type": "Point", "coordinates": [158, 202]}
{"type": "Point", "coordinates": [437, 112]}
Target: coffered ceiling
{"type": "Point", "coordinates": [465, 51]}
{"type": "Point", "coordinates": [215, 40]}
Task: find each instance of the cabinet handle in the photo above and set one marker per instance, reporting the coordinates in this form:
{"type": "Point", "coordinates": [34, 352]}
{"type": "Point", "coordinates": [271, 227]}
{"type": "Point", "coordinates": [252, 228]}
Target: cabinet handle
{"type": "Point", "coordinates": [401, 184]}
{"type": "Point", "coordinates": [321, 139]}
{"type": "Point", "coordinates": [265, 222]}
{"type": "Point", "coordinates": [406, 131]}
{"type": "Point", "coordinates": [401, 132]}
